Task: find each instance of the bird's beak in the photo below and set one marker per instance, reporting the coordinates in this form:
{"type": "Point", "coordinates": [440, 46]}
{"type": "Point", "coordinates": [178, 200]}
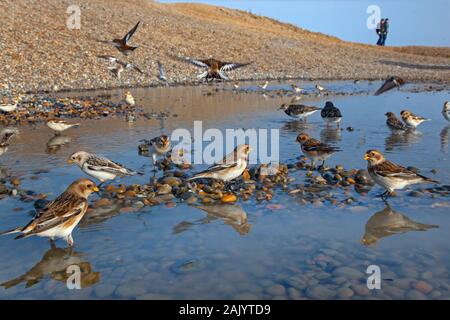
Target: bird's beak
{"type": "Point", "coordinates": [366, 157]}
{"type": "Point", "coordinates": [96, 189]}
{"type": "Point", "coordinates": [70, 161]}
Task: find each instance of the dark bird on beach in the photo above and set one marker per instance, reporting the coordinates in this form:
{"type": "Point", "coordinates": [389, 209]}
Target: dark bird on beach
{"type": "Point", "coordinates": [331, 114]}
{"type": "Point", "coordinates": [215, 69]}
{"type": "Point", "coordinates": [122, 44]}
{"type": "Point", "coordinates": [299, 111]}
{"type": "Point", "coordinates": [120, 65]}
{"type": "Point", "coordinates": [389, 84]}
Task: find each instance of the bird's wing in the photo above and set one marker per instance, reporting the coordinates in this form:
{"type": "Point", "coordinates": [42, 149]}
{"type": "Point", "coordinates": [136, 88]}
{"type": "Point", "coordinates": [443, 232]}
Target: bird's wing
{"type": "Point", "coordinates": [228, 66]}
{"type": "Point", "coordinates": [390, 169]}
{"type": "Point", "coordinates": [316, 145]}
{"type": "Point", "coordinates": [5, 139]}
{"type": "Point", "coordinates": [397, 123]}
{"type": "Point", "coordinates": [130, 33]}
{"type": "Point", "coordinates": [331, 113]}
{"type": "Point", "coordinates": [219, 167]}
{"type": "Point", "coordinates": [109, 58]}
{"type": "Point", "coordinates": [389, 84]}
{"type": "Point", "coordinates": [63, 208]}
{"type": "Point", "coordinates": [300, 108]}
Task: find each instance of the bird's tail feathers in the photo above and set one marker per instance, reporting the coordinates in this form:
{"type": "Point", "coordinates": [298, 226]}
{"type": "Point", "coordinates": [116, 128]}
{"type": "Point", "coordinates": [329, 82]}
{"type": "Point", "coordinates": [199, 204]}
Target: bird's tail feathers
{"type": "Point", "coordinates": [12, 231]}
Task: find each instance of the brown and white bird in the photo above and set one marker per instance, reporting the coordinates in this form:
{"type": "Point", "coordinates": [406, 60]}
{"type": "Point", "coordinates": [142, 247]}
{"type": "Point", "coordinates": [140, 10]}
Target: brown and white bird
{"type": "Point", "coordinates": [388, 222]}
{"type": "Point", "coordinates": [446, 110]}
{"type": "Point", "coordinates": [231, 167]}
{"type": "Point", "coordinates": [61, 216]}
{"type": "Point", "coordinates": [389, 175]}
{"type": "Point", "coordinates": [99, 167]}
{"type": "Point", "coordinates": [129, 99]}
{"type": "Point", "coordinates": [215, 69]}
{"type": "Point", "coordinates": [299, 111]}
{"type": "Point", "coordinates": [331, 114]}
{"type": "Point", "coordinates": [319, 88]}
{"type": "Point", "coordinates": [393, 123]}
{"type": "Point", "coordinates": [264, 85]}
{"type": "Point", "coordinates": [60, 125]}
{"type": "Point", "coordinates": [119, 66]}
{"type": "Point", "coordinates": [389, 84]}
{"type": "Point", "coordinates": [315, 150]}
{"type": "Point", "coordinates": [8, 107]}
{"type": "Point", "coordinates": [296, 88]}
{"type": "Point", "coordinates": [411, 120]}
{"type": "Point", "coordinates": [158, 147]}
{"type": "Point", "coordinates": [122, 44]}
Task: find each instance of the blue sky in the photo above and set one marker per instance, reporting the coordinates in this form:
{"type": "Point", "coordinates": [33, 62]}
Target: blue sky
{"type": "Point", "coordinates": [414, 22]}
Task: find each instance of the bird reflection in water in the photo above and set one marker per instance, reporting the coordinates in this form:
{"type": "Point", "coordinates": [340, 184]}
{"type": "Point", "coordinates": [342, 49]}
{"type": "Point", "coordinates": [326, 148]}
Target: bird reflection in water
{"type": "Point", "coordinates": [444, 139]}
{"type": "Point", "coordinates": [55, 264]}
{"type": "Point", "coordinates": [231, 214]}
{"type": "Point", "coordinates": [297, 126]}
{"type": "Point", "coordinates": [56, 143]}
{"type": "Point", "coordinates": [388, 222]}
{"type": "Point", "coordinates": [331, 134]}
{"type": "Point", "coordinates": [402, 139]}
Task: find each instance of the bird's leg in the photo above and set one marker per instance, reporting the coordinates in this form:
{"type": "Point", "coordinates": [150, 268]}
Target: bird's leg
{"type": "Point", "coordinates": [155, 163]}
{"type": "Point", "coordinates": [69, 240]}
{"type": "Point", "coordinates": [101, 184]}
{"type": "Point", "coordinates": [322, 166]}
{"type": "Point", "coordinates": [385, 195]}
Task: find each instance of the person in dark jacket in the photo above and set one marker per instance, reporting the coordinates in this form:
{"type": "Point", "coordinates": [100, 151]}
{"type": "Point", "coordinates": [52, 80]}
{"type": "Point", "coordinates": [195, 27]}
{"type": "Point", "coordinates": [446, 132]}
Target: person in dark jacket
{"type": "Point", "coordinates": [384, 31]}
{"type": "Point", "coordinates": [378, 30]}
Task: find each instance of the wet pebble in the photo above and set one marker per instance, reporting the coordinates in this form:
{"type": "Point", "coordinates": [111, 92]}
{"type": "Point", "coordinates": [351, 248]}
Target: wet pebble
{"type": "Point", "coordinates": [187, 266]}
{"type": "Point", "coordinates": [360, 289]}
{"type": "Point", "coordinates": [415, 295]}
{"type": "Point", "coordinates": [423, 287]}
{"type": "Point", "coordinates": [320, 292]}
{"type": "Point", "coordinates": [345, 293]}
{"type": "Point", "coordinates": [349, 273]}
{"type": "Point", "coordinates": [276, 290]}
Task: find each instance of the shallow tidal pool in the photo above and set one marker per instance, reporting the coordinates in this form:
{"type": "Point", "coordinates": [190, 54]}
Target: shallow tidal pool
{"type": "Point", "coordinates": [282, 249]}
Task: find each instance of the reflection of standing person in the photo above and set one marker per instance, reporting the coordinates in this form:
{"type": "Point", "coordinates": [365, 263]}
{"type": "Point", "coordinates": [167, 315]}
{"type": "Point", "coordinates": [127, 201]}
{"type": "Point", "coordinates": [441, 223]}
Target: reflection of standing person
{"type": "Point", "coordinates": [384, 31]}
{"type": "Point", "coordinates": [378, 30]}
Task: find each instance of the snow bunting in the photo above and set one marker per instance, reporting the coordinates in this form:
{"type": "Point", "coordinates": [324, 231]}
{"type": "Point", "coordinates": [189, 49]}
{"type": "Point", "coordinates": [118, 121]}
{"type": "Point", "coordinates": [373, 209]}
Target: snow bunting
{"type": "Point", "coordinates": [161, 72]}
{"type": "Point", "coordinates": [122, 44]}
{"type": "Point", "coordinates": [389, 175]}
{"type": "Point", "coordinates": [411, 119]}
{"type": "Point", "coordinates": [298, 110]}
{"type": "Point", "coordinates": [129, 99]}
{"type": "Point", "coordinates": [393, 123]}
{"type": "Point", "coordinates": [296, 89]}
{"type": "Point", "coordinates": [158, 147]}
{"type": "Point", "coordinates": [319, 88]}
{"type": "Point", "coordinates": [215, 69]}
{"type": "Point", "coordinates": [264, 85]}
{"type": "Point", "coordinates": [231, 166]}
{"type": "Point", "coordinates": [61, 216]}
{"type": "Point", "coordinates": [331, 114]}
{"type": "Point", "coordinates": [388, 222]}
{"type": "Point", "coordinates": [8, 107]}
{"type": "Point", "coordinates": [446, 111]}
{"type": "Point", "coordinates": [119, 66]}
{"type": "Point", "coordinates": [236, 86]}
{"type": "Point", "coordinates": [390, 83]}
{"type": "Point", "coordinates": [60, 125]}
{"type": "Point", "coordinates": [99, 167]}
{"type": "Point", "coordinates": [314, 149]}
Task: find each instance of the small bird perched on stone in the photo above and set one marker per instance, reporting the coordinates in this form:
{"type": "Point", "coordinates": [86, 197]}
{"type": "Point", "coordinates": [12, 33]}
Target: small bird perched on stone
{"type": "Point", "coordinates": [389, 84]}
{"type": "Point", "coordinates": [99, 167]}
{"type": "Point", "coordinates": [389, 175]}
{"type": "Point", "coordinates": [393, 123]}
{"type": "Point", "coordinates": [411, 120]}
{"type": "Point", "coordinates": [215, 69]}
{"type": "Point", "coordinates": [62, 215]}
{"type": "Point", "coordinates": [315, 150]}
{"type": "Point", "coordinates": [158, 147]}
{"type": "Point", "coordinates": [446, 111]}
{"type": "Point", "coordinates": [122, 44]}
{"type": "Point", "coordinates": [331, 114]}
{"type": "Point", "coordinates": [231, 166]}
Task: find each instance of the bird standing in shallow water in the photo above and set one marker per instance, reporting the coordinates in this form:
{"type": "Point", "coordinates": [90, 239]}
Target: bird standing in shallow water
{"type": "Point", "coordinates": [411, 120]}
{"type": "Point", "coordinates": [296, 89]}
{"type": "Point", "coordinates": [331, 114]}
{"type": "Point", "coordinates": [389, 175]}
{"type": "Point", "coordinates": [393, 123]}
{"type": "Point", "coordinates": [299, 111]}
{"type": "Point", "coordinates": [264, 85]}
{"type": "Point", "coordinates": [446, 111]}
{"type": "Point", "coordinates": [158, 147]}
{"type": "Point", "coordinates": [62, 215]}
{"type": "Point", "coordinates": [315, 150]}
{"type": "Point", "coordinates": [129, 99]}
{"type": "Point", "coordinates": [59, 125]}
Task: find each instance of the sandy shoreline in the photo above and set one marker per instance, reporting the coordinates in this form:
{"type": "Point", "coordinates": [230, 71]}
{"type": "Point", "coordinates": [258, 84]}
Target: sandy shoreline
{"type": "Point", "coordinates": [40, 54]}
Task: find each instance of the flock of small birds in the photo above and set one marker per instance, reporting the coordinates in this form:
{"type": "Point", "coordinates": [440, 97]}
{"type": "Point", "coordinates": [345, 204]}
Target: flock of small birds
{"type": "Point", "coordinates": [59, 217]}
